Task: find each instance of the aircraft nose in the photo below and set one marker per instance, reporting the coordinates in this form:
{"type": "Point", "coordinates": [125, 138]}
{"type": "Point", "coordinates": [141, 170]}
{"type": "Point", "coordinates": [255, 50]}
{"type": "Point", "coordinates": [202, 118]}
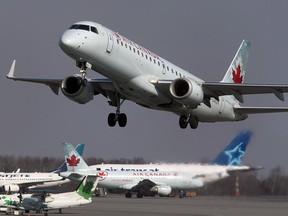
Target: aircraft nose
{"type": "Point", "coordinates": [67, 41]}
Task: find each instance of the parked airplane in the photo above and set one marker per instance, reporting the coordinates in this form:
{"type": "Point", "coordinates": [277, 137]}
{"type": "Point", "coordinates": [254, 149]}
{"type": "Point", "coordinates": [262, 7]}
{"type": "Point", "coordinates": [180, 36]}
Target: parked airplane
{"type": "Point", "coordinates": [46, 202]}
{"type": "Point", "coordinates": [15, 182]}
{"type": "Point", "coordinates": [165, 177]}
{"type": "Point", "coordinates": [137, 74]}
{"type": "Point", "coordinates": [222, 159]}
{"type": "Point", "coordinates": [19, 181]}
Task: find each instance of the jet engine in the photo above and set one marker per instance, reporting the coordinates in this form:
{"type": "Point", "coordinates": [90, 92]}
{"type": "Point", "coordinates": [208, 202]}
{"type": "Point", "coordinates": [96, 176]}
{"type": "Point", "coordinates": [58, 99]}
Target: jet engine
{"type": "Point", "coordinates": [186, 91]}
{"type": "Point", "coordinates": [76, 89]}
{"type": "Point", "coordinates": [162, 190]}
{"type": "Point", "coordinates": [11, 188]}
{"type": "Point", "coordinates": [196, 183]}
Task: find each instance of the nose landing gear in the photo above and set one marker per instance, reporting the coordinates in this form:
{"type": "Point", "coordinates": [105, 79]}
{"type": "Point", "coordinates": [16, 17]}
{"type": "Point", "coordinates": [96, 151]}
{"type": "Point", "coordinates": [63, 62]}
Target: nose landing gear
{"type": "Point", "coordinates": [83, 70]}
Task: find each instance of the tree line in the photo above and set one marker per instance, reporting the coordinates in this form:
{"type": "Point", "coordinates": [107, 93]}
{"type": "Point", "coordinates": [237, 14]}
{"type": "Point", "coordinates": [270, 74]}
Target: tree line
{"type": "Point", "coordinates": [249, 183]}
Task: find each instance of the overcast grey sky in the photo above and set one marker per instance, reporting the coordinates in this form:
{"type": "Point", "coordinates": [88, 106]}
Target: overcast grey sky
{"type": "Point", "coordinates": [200, 36]}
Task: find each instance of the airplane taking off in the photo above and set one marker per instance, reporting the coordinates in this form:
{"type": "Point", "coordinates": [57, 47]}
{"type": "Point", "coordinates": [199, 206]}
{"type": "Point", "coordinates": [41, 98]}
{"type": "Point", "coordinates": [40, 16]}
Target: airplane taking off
{"type": "Point", "coordinates": [146, 179]}
{"type": "Point", "coordinates": [137, 74]}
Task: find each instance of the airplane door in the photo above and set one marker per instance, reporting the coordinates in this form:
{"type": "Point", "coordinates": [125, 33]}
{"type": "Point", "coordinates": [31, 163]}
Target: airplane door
{"type": "Point", "coordinates": [110, 42]}
{"type": "Point", "coordinates": [163, 67]}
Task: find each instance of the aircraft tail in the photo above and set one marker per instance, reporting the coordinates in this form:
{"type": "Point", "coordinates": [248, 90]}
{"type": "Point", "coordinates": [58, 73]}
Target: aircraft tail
{"type": "Point", "coordinates": [74, 161]}
{"type": "Point", "coordinates": [233, 153]}
{"type": "Point", "coordinates": [236, 70]}
{"type": "Point", "coordinates": [63, 168]}
{"type": "Point", "coordinates": [87, 186]}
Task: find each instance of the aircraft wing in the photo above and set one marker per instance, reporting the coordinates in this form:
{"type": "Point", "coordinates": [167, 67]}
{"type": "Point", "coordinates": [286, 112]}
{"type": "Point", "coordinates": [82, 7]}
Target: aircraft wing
{"type": "Point", "coordinates": [256, 110]}
{"type": "Point", "coordinates": [99, 85]}
{"type": "Point", "coordinates": [237, 90]}
{"type": "Point", "coordinates": [13, 207]}
{"type": "Point", "coordinates": [145, 184]}
{"type": "Point", "coordinates": [31, 184]}
{"type": "Point", "coordinates": [243, 169]}
{"type": "Point", "coordinates": [219, 89]}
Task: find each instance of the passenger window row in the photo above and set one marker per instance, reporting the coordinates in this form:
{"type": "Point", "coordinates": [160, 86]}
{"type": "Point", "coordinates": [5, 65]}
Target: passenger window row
{"type": "Point", "coordinates": [150, 58]}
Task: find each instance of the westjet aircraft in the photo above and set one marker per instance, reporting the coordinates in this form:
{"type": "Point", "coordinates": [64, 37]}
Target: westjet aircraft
{"type": "Point", "coordinates": [15, 182]}
{"type": "Point", "coordinates": [19, 181]}
{"type": "Point", "coordinates": [162, 178]}
{"type": "Point", "coordinates": [137, 74]}
{"type": "Point", "coordinates": [46, 202]}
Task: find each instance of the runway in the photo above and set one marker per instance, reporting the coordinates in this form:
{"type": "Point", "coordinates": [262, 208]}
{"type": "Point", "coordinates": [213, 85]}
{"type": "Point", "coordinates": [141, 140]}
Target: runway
{"type": "Point", "coordinates": [116, 205]}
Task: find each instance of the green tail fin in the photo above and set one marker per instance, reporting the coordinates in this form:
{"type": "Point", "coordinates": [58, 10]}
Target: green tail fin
{"type": "Point", "coordinates": [87, 187]}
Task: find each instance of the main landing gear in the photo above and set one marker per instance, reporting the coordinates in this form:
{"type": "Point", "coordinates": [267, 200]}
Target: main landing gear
{"type": "Point", "coordinates": [184, 120]}
{"type": "Point", "coordinates": [128, 194]}
{"type": "Point", "coordinates": [119, 117]}
{"type": "Point", "coordinates": [113, 118]}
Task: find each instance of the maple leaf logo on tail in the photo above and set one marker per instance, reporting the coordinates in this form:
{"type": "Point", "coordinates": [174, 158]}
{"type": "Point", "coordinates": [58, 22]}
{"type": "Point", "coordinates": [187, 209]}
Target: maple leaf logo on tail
{"type": "Point", "coordinates": [72, 161]}
{"type": "Point", "coordinates": [237, 77]}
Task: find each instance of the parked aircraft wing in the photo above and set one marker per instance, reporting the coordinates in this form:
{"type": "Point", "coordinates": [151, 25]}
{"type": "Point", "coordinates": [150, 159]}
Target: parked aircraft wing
{"type": "Point", "coordinates": [244, 169]}
{"type": "Point", "coordinates": [144, 184]}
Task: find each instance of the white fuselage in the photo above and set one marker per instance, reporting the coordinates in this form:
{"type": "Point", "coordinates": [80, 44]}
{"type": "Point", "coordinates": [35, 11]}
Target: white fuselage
{"type": "Point", "coordinates": [65, 200]}
{"type": "Point", "coordinates": [132, 69]}
{"type": "Point", "coordinates": [31, 180]}
{"type": "Point", "coordinates": [177, 176]}
{"type": "Point", "coordinates": [52, 201]}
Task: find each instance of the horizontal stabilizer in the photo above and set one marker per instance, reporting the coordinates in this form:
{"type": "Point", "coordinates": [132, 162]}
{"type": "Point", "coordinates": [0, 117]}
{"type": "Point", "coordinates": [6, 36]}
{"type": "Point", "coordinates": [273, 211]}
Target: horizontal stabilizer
{"type": "Point", "coordinates": [245, 169]}
{"type": "Point", "coordinates": [256, 110]}
{"type": "Point", "coordinates": [72, 176]}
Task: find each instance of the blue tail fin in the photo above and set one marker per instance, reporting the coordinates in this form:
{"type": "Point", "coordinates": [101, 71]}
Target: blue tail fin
{"type": "Point", "coordinates": [63, 168]}
{"type": "Point", "coordinates": [233, 153]}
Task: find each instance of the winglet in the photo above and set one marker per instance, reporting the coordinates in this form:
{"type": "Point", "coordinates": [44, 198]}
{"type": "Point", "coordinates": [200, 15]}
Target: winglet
{"type": "Point", "coordinates": [10, 75]}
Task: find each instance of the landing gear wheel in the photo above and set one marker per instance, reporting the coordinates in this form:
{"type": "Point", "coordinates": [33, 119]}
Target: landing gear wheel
{"type": "Point", "coordinates": [183, 122]}
{"type": "Point", "coordinates": [181, 195]}
{"type": "Point", "coordinates": [119, 117]}
{"type": "Point", "coordinates": [193, 121]}
{"type": "Point", "coordinates": [112, 119]}
{"type": "Point", "coordinates": [122, 119]}
{"type": "Point", "coordinates": [139, 195]}
{"type": "Point", "coordinates": [128, 194]}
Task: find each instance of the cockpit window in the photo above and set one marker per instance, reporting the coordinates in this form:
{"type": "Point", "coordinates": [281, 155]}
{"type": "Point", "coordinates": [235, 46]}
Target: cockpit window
{"type": "Point", "coordinates": [84, 27]}
{"type": "Point", "coordinates": [93, 29]}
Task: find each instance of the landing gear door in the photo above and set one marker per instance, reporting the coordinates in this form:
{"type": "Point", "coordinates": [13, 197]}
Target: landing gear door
{"type": "Point", "coordinates": [222, 105]}
{"type": "Point", "coordinates": [110, 42]}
